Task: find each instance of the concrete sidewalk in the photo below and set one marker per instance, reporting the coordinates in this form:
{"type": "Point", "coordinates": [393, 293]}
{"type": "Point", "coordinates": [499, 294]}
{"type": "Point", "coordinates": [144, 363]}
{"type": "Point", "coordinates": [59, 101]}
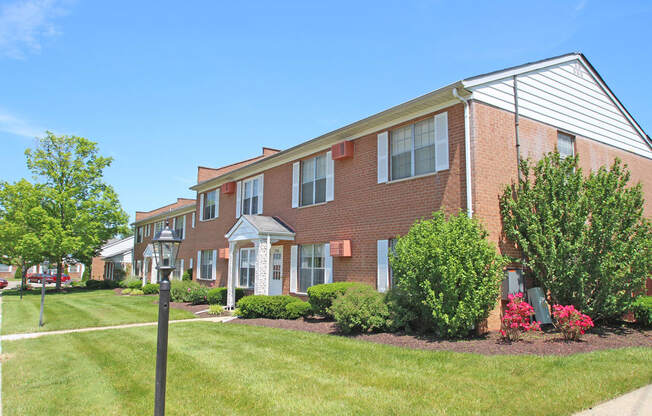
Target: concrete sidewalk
{"type": "Point", "coordinates": [635, 403]}
{"type": "Point", "coordinates": [14, 337]}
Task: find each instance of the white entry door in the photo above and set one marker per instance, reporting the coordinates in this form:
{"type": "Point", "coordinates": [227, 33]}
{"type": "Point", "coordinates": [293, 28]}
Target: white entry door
{"type": "Point", "coordinates": [276, 273]}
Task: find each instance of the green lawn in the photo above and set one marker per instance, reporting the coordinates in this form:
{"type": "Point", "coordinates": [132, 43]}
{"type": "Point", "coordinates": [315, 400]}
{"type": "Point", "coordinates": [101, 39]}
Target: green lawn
{"type": "Point", "coordinates": [78, 310]}
{"type": "Point", "coordinates": [237, 369]}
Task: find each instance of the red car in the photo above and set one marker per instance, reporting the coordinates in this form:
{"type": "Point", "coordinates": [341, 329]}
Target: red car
{"type": "Point", "coordinates": [37, 278]}
{"type": "Point", "coordinates": [3, 283]}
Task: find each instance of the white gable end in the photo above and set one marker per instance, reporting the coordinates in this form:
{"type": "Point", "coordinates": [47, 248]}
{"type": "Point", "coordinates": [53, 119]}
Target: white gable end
{"type": "Point", "coordinates": [568, 96]}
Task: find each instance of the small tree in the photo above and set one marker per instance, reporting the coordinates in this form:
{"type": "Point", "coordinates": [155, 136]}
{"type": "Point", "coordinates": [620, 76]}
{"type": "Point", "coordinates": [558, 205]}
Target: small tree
{"type": "Point", "coordinates": [584, 238]}
{"type": "Point", "coordinates": [87, 209]}
{"type": "Point", "coordinates": [27, 233]}
{"type": "Point", "coordinates": [447, 274]}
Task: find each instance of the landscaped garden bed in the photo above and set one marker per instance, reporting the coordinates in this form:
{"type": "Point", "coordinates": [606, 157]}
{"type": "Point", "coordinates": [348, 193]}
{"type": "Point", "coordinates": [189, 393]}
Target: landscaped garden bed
{"type": "Point", "coordinates": [547, 342]}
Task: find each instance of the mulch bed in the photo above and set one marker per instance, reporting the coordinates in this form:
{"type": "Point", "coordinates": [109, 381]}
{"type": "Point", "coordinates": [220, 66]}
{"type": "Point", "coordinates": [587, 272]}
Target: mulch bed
{"type": "Point", "coordinates": [548, 342]}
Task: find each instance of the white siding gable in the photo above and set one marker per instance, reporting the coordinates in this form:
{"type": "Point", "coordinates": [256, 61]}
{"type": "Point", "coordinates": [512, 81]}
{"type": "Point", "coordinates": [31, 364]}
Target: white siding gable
{"type": "Point", "coordinates": [567, 96]}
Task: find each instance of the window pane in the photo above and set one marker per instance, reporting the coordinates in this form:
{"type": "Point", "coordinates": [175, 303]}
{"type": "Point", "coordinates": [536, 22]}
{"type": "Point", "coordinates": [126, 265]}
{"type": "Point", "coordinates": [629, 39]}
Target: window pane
{"type": "Point", "coordinates": [247, 191]}
{"type": "Point", "coordinates": [320, 191]}
{"type": "Point", "coordinates": [308, 170]}
{"type": "Point", "coordinates": [318, 277]}
{"type": "Point", "coordinates": [306, 256]}
{"type": "Point", "coordinates": [424, 133]}
{"type": "Point", "coordinates": [401, 166]}
{"type": "Point", "coordinates": [243, 276]}
{"type": "Point", "coordinates": [254, 205]}
{"type": "Point", "coordinates": [246, 204]}
{"type": "Point", "coordinates": [254, 189]}
{"type": "Point", "coordinates": [321, 166]}
{"type": "Point", "coordinates": [305, 277]}
{"type": "Point", "coordinates": [319, 256]}
{"type": "Point", "coordinates": [306, 193]}
{"type": "Point", "coordinates": [401, 139]}
{"type": "Point", "coordinates": [424, 160]}
{"type": "Point", "coordinates": [565, 145]}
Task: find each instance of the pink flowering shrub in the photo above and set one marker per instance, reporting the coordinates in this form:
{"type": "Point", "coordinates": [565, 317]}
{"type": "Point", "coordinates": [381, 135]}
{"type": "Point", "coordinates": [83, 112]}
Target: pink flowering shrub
{"type": "Point", "coordinates": [571, 322]}
{"type": "Point", "coordinates": [516, 319]}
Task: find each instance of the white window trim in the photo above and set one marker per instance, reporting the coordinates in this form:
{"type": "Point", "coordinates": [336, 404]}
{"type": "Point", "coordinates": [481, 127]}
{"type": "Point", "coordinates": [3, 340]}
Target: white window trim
{"type": "Point", "coordinates": [213, 265]}
{"type": "Point", "coordinates": [252, 280]}
{"type": "Point", "coordinates": [217, 206]}
{"type": "Point", "coordinates": [313, 268]}
{"type": "Point", "coordinates": [241, 195]}
{"type": "Point", "coordinates": [194, 214]}
{"type": "Point", "coordinates": [314, 180]}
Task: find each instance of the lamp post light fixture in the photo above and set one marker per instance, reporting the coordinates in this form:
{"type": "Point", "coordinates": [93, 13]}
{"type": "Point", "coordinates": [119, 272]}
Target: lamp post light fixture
{"type": "Point", "coordinates": [166, 245]}
{"type": "Point", "coordinates": [46, 263]}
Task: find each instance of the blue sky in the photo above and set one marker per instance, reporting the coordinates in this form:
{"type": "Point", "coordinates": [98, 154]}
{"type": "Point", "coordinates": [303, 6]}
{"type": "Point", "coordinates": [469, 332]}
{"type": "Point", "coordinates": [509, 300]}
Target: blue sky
{"type": "Point", "coordinates": [165, 86]}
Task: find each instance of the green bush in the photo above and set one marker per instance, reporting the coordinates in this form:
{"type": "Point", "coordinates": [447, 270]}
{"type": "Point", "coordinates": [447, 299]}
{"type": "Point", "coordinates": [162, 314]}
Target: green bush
{"type": "Point", "coordinates": [136, 292]}
{"type": "Point", "coordinates": [180, 290]}
{"type": "Point", "coordinates": [126, 291]}
{"type": "Point", "coordinates": [360, 309]}
{"type": "Point", "coordinates": [449, 272]}
{"type": "Point", "coordinates": [643, 311]}
{"type": "Point", "coordinates": [198, 295]}
{"type": "Point", "coordinates": [187, 275]}
{"type": "Point", "coordinates": [87, 274]}
{"type": "Point", "coordinates": [101, 284]}
{"type": "Point", "coordinates": [263, 306]}
{"type": "Point", "coordinates": [217, 295]}
{"type": "Point", "coordinates": [215, 310]}
{"type": "Point", "coordinates": [151, 289]}
{"type": "Point", "coordinates": [298, 309]}
{"type": "Point", "coordinates": [321, 296]}
{"type": "Point", "coordinates": [131, 283]}
{"type": "Point", "coordinates": [584, 237]}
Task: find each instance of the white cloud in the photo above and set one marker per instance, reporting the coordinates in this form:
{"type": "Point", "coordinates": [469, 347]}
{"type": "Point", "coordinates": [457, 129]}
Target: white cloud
{"type": "Point", "coordinates": [24, 24]}
{"type": "Point", "coordinates": [19, 127]}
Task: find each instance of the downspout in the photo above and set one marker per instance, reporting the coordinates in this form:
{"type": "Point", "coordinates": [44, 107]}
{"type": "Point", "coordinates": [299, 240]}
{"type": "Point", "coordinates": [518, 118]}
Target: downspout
{"type": "Point", "coordinates": [467, 152]}
{"type": "Point", "coordinates": [516, 129]}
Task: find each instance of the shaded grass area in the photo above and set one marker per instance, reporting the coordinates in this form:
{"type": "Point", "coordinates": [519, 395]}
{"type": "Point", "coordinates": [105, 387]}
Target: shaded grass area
{"type": "Point", "coordinates": [78, 309]}
{"type": "Point", "coordinates": [241, 370]}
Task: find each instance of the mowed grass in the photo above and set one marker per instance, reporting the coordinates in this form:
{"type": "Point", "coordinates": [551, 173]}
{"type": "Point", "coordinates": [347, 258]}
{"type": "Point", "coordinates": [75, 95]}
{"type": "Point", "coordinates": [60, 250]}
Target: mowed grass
{"type": "Point", "coordinates": [79, 309]}
{"type": "Point", "coordinates": [242, 370]}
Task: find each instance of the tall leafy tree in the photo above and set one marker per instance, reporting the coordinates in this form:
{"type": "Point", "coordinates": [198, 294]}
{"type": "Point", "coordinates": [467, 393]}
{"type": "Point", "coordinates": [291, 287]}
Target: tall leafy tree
{"type": "Point", "coordinates": [584, 238]}
{"type": "Point", "coordinates": [27, 232]}
{"type": "Point", "coordinates": [75, 194]}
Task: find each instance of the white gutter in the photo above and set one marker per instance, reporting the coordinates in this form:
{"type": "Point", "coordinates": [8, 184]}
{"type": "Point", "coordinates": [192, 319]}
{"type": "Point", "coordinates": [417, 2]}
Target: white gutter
{"type": "Point", "coordinates": [467, 152]}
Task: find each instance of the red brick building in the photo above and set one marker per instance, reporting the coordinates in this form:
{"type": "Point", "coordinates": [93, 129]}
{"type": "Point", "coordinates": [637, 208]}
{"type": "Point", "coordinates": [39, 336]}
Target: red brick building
{"type": "Point", "coordinates": [328, 209]}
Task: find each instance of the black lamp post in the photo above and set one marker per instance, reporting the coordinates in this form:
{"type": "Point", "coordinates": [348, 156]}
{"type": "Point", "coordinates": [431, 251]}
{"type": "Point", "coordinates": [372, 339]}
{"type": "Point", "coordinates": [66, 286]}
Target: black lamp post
{"type": "Point", "coordinates": [166, 245]}
{"type": "Point", "coordinates": [46, 263]}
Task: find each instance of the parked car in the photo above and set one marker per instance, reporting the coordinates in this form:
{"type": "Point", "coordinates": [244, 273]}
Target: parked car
{"type": "Point", "coordinates": [49, 278]}
{"type": "Point", "coordinates": [3, 283]}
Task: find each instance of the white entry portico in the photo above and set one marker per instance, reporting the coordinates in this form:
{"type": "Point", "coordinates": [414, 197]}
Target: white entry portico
{"type": "Point", "coordinates": [262, 231]}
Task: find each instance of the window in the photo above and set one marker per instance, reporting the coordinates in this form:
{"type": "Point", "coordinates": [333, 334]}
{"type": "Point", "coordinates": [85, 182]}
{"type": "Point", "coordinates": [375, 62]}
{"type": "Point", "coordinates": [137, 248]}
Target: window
{"type": "Point", "coordinates": [74, 268]}
{"type": "Point", "coordinates": [179, 226]}
{"type": "Point", "coordinates": [178, 271]}
{"type": "Point", "coordinates": [139, 267]}
{"type": "Point", "coordinates": [147, 230]}
{"type": "Point", "coordinates": [5, 268]}
{"type": "Point", "coordinates": [247, 267]}
{"type": "Point", "coordinates": [210, 205]}
{"type": "Point", "coordinates": [158, 227]}
{"type": "Point", "coordinates": [413, 149]}
{"type": "Point", "coordinates": [251, 193]}
{"type": "Point", "coordinates": [565, 145]}
{"type": "Point", "coordinates": [312, 265]}
{"type": "Point", "coordinates": [277, 264]}
{"type": "Point", "coordinates": [313, 180]}
{"type": "Point", "coordinates": [139, 234]}
{"type": "Point", "coordinates": [206, 267]}
{"type": "Point", "coordinates": [193, 220]}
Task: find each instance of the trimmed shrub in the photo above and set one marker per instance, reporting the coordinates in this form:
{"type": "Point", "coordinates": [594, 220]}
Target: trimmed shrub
{"type": "Point", "coordinates": [215, 310]}
{"type": "Point", "coordinates": [263, 306]}
{"type": "Point", "coordinates": [151, 289]}
{"type": "Point", "coordinates": [180, 290]}
{"type": "Point", "coordinates": [360, 309]}
{"type": "Point", "coordinates": [321, 297]}
{"type": "Point", "coordinates": [198, 295]}
{"type": "Point", "coordinates": [131, 283]}
{"type": "Point", "coordinates": [217, 295]}
{"type": "Point", "coordinates": [298, 309]}
{"type": "Point", "coordinates": [101, 284]}
{"type": "Point", "coordinates": [126, 291]}
{"type": "Point", "coordinates": [643, 311]}
{"type": "Point", "coordinates": [187, 275]}
{"type": "Point", "coordinates": [136, 292]}
{"type": "Point", "coordinates": [449, 274]}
